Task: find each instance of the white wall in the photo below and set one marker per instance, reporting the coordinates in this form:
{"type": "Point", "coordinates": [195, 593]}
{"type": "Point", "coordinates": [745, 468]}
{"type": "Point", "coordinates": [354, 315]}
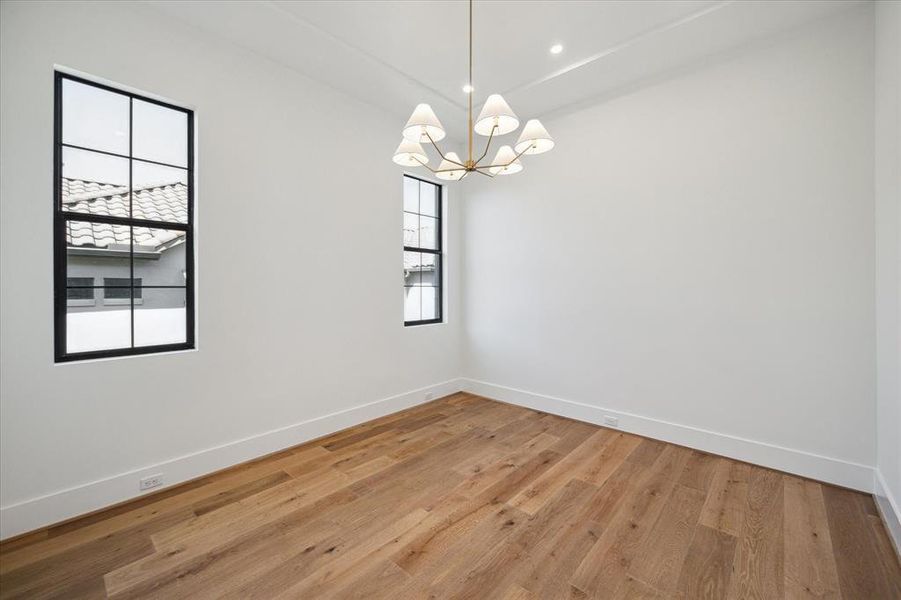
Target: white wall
{"type": "Point", "coordinates": [888, 262]}
{"type": "Point", "coordinates": [275, 205]}
{"type": "Point", "coordinates": [697, 253]}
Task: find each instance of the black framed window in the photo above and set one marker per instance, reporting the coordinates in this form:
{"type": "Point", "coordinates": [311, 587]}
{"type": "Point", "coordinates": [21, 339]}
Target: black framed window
{"type": "Point", "coordinates": [423, 258]}
{"type": "Point", "coordinates": [123, 215]}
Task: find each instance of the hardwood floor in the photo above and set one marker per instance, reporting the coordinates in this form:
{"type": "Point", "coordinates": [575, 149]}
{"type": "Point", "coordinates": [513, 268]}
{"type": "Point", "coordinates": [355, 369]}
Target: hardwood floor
{"type": "Point", "coordinates": [469, 498]}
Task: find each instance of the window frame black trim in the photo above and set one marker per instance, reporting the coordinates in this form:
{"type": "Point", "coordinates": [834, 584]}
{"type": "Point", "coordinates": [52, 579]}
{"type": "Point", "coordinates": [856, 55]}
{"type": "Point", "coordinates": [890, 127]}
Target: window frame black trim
{"type": "Point", "coordinates": [60, 217]}
{"type": "Point", "coordinates": [439, 252]}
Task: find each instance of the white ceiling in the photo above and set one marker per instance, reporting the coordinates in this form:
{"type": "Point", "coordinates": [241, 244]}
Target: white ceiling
{"type": "Point", "coordinates": [395, 54]}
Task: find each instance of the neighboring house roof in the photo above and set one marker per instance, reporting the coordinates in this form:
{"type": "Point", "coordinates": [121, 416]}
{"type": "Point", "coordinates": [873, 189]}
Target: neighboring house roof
{"type": "Point", "coordinates": [161, 202]}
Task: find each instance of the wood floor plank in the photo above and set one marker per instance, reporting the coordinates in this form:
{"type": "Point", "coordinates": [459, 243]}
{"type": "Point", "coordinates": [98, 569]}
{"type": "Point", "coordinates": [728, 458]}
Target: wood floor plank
{"type": "Point", "coordinates": [479, 461]}
{"type": "Point", "coordinates": [606, 565]}
{"type": "Point", "coordinates": [244, 514]}
{"type": "Point", "coordinates": [891, 560]}
{"type": "Point", "coordinates": [708, 565]}
{"type": "Point", "coordinates": [464, 497]}
{"type": "Point", "coordinates": [571, 433]}
{"type": "Point", "coordinates": [477, 483]}
{"type": "Point", "coordinates": [370, 467]}
{"type": "Point", "coordinates": [667, 544]}
{"type": "Point", "coordinates": [228, 496]}
{"type": "Point", "coordinates": [862, 572]}
{"type": "Point", "coordinates": [79, 571]}
{"type": "Point", "coordinates": [437, 573]}
{"type": "Point", "coordinates": [321, 536]}
{"type": "Point", "coordinates": [545, 487]}
{"type": "Point", "coordinates": [19, 542]}
{"type": "Point", "coordinates": [633, 589]}
{"type": "Point", "coordinates": [810, 570]}
{"type": "Point", "coordinates": [647, 452]}
{"type": "Point", "coordinates": [549, 566]}
{"type": "Point", "coordinates": [515, 592]}
{"type": "Point", "coordinates": [515, 433]}
{"type": "Point", "coordinates": [377, 581]}
{"type": "Point", "coordinates": [317, 583]}
{"type": "Point", "coordinates": [759, 557]}
{"type": "Point", "coordinates": [448, 523]}
{"type": "Point", "coordinates": [727, 498]}
{"type": "Point", "coordinates": [699, 470]}
{"type": "Point", "coordinates": [224, 572]}
{"type": "Point", "coordinates": [96, 527]}
{"type": "Point", "coordinates": [452, 519]}
{"type": "Point", "coordinates": [190, 543]}
{"type": "Point", "coordinates": [597, 469]}
{"type": "Point", "coordinates": [536, 538]}
{"type": "Point", "coordinates": [608, 501]}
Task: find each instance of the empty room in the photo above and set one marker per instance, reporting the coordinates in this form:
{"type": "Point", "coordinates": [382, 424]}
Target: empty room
{"type": "Point", "coordinates": [422, 299]}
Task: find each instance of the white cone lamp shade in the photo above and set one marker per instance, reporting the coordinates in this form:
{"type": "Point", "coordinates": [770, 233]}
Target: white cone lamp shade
{"type": "Point", "coordinates": [505, 154]}
{"type": "Point", "coordinates": [496, 112]}
{"type": "Point", "coordinates": [534, 137]}
{"type": "Point", "coordinates": [407, 154]}
{"type": "Point", "coordinates": [457, 172]}
{"type": "Point", "coordinates": [422, 124]}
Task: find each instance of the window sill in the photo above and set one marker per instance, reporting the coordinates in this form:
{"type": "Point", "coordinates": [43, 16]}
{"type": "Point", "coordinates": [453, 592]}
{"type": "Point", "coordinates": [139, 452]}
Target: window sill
{"type": "Point", "coordinates": [94, 359]}
{"type": "Point", "coordinates": [424, 323]}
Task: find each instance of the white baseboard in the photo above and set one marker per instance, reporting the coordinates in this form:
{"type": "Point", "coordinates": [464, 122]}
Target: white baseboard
{"type": "Point", "coordinates": [64, 504]}
{"type": "Point", "coordinates": [888, 510]}
{"type": "Point", "coordinates": [823, 468]}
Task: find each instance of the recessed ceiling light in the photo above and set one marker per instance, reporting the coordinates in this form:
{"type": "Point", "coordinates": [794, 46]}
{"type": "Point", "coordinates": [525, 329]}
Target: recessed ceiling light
{"type": "Point", "coordinates": [467, 89]}
{"type": "Point", "coordinates": [556, 48]}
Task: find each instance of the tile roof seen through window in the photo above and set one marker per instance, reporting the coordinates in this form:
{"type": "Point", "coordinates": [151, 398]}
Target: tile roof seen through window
{"type": "Point", "coordinates": [160, 202]}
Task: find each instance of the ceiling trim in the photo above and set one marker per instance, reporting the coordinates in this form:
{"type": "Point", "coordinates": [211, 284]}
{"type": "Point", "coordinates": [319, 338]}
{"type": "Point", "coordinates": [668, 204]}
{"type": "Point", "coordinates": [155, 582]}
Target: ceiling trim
{"type": "Point", "coordinates": [526, 86]}
{"type": "Point", "coordinates": [371, 57]}
{"type": "Point", "coordinates": [621, 46]}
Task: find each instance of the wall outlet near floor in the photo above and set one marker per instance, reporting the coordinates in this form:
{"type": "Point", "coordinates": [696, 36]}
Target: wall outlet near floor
{"type": "Point", "coordinates": [151, 482]}
{"type": "Point", "coordinates": [611, 421]}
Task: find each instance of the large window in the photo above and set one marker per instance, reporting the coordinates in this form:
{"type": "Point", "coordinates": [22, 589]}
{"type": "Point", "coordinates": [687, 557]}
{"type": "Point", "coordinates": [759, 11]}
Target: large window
{"type": "Point", "coordinates": [422, 252]}
{"type": "Point", "coordinates": [123, 216]}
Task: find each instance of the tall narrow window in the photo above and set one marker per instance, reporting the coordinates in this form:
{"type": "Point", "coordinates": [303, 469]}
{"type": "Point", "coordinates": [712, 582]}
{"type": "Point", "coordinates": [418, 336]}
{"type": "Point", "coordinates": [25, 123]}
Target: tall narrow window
{"type": "Point", "coordinates": [123, 217]}
{"type": "Point", "coordinates": [422, 252]}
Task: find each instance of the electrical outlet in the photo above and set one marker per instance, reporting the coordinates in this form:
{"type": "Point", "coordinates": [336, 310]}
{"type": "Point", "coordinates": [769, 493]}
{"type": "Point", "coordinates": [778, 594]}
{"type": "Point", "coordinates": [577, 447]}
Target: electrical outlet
{"type": "Point", "coordinates": [611, 421]}
{"type": "Point", "coordinates": [151, 482]}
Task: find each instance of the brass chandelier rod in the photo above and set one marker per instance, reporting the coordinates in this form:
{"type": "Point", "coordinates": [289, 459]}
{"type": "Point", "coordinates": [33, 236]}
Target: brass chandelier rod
{"type": "Point", "coordinates": [472, 92]}
{"type": "Point", "coordinates": [469, 164]}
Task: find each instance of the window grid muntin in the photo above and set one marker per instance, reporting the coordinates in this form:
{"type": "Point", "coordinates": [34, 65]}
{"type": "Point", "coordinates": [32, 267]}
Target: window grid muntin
{"type": "Point", "coordinates": [438, 250]}
{"type": "Point", "coordinates": [61, 218]}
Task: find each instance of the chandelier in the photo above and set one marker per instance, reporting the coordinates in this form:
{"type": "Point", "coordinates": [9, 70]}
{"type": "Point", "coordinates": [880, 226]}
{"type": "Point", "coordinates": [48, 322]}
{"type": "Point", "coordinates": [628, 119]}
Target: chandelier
{"type": "Point", "coordinates": [495, 119]}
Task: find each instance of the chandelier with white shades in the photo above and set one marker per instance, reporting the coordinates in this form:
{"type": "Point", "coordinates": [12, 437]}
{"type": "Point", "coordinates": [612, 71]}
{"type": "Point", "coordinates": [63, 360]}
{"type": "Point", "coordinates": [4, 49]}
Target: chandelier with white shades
{"type": "Point", "coordinates": [495, 119]}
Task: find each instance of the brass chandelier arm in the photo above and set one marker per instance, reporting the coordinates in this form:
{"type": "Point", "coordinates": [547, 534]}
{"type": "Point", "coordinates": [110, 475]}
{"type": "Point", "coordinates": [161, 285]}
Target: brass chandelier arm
{"type": "Point", "coordinates": [512, 160]}
{"type": "Point", "coordinates": [487, 146]}
{"type": "Point", "coordinates": [424, 164]}
{"type": "Point", "coordinates": [442, 153]}
{"type": "Point", "coordinates": [440, 170]}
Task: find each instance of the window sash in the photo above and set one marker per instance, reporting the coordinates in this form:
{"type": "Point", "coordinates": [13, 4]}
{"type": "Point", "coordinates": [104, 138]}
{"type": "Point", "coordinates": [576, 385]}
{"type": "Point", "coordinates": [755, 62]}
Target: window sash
{"type": "Point", "coordinates": [61, 287]}
{"type": "Point", "coordinates": [438, 251]}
